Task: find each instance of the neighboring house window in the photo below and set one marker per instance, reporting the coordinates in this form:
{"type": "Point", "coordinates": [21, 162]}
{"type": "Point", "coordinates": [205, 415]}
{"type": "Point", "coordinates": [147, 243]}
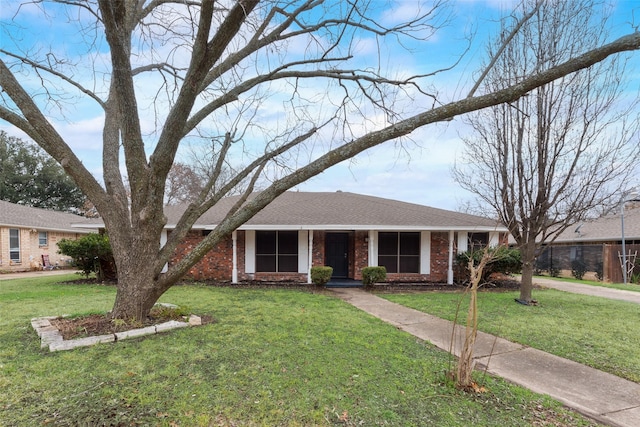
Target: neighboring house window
{"type": "Point", "coordinates": [399, 252]}
{"type": "Point", "coordinates": [14, 245]}
{"type": "Point", "coordinates": [478, 240]}
{"type": "Point", "coordinates": [43, 238]}
{"type": "Point", "coordinates": [277, 251]}
{"type": "Point", "coordinates": [576, 253]}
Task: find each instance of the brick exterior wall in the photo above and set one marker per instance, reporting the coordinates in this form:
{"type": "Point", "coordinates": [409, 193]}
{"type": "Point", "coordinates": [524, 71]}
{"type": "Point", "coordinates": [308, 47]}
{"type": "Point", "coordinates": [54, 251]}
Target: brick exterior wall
{"type": "Point", "coordinates": [30, 250]}
{"type": "Point", "coordinates": [360, 254]}
{"type": "Point", "coordinates": [218, 263]}
{"type": "Point", "coordinates": [439, 256]}
{"type": "Point", "coordinates": [317, 255]}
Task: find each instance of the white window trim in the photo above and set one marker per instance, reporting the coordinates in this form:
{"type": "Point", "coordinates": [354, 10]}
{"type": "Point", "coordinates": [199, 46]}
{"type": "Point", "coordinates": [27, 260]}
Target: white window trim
{"type": "Point", "coordinates": [303, 250]}
{"type": "Point", "coordinates": [46, 238]}
{"type": "Point", "coordinates": [425, 252]}
{"type": "Point", "coordinates": [15, 249]}
{"type": "Point", "coordinates": [250, 251]}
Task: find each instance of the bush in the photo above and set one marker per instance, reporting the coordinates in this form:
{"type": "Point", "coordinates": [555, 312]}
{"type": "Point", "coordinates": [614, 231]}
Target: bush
{"type": "Point", "coordinates": [599, 271]}
{"type": "Point", "coordinates": [578, 268]}
{"type": "Point", "coordinates": [91, 254]}
{"type": "Point", "coordinates": [371, 275]}
{"type": "Point", "coordinates": [321, 275]}
{"type": "Point", "coordinates": [506, 261]}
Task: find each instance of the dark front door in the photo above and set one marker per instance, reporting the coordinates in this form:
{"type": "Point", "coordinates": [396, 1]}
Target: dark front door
{"type": "Point", "coordinates": [337, 254]}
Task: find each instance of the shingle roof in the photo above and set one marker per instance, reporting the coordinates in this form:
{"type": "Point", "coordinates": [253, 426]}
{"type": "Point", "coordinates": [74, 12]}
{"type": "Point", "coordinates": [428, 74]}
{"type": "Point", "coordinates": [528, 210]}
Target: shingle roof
{"type": "Point", "coordinates": [342, 210]}
{"type": "Point", "coordinates": [607, 228]}
{"type": "Point", "coordinates": [13, 215]}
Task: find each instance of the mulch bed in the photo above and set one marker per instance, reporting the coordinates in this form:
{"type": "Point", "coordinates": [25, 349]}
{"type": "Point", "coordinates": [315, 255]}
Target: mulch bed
{"type": "Point", "coordinates": [103, 324]}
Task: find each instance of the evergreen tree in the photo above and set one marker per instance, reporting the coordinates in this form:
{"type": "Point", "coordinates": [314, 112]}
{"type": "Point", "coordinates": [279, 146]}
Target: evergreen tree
{"type": "Point", "coordinates": [30, 177]}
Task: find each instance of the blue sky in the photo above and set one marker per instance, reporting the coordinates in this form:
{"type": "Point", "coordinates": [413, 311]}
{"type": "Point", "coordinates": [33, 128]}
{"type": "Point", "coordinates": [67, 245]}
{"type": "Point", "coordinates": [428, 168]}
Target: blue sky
{"type": "Point", "coordinates": [419, 172]}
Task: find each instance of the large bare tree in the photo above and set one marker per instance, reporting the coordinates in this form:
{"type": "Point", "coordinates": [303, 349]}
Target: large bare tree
{"type": "Point", "coordinates": [549, 159]}
{"type": "Point", "coordinates": [213, 69]}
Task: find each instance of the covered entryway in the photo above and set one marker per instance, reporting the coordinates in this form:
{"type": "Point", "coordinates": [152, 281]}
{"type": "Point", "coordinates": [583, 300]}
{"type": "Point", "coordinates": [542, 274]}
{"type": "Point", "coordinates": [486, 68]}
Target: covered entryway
{"type": "Point", "coordinates": [336, 252]}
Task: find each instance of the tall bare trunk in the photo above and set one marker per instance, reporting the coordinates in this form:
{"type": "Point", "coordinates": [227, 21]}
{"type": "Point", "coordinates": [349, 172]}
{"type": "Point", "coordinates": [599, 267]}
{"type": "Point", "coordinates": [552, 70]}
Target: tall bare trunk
{"type": "Point", "coordinates": [528, 254]}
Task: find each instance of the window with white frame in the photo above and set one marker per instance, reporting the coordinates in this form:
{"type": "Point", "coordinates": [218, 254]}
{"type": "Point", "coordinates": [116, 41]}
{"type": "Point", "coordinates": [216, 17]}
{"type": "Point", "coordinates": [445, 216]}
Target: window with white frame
{"type": "Point", "coordinates": [43, 238]}
{"type": "Point", "coordinates": [14, 244]}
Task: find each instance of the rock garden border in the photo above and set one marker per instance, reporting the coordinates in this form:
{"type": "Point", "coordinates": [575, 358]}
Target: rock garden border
{"type": "Point", "coordinates": [51, 337]}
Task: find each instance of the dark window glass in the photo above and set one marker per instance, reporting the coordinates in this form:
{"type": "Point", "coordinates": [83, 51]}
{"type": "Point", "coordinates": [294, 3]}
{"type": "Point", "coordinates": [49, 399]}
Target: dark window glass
{"type": "Point", "coordinates": [388, 244]}
{"type": "Point", "coordinates": [288, 263]}
{"type": "Point", "coordinates": [277, 251]}
{"type": "Point", "coordinates": [410, 264]}
{"type": "Point", "coordinates": [265, 263]}
{"type": "Point", "coordinates": [399, 252]}
{"type": "Point", "coordinates": [409, 243]}
{"type": "Point", "coordinates": [266, 242]}
{"type": "Point", "coordinates": [478, 240]}
{"type": "Point", "coordinates": [288, 242]}
{"type": "Point", "coordinates": [389, 262]}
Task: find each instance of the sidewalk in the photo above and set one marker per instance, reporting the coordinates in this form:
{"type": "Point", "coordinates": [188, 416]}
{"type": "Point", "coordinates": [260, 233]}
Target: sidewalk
{"type": "Point", "coordinates": [604, 397]}
{"type": "Point", "coordinates": [24, 275]}
{"type": "Point", "coordinates": [596, 291]}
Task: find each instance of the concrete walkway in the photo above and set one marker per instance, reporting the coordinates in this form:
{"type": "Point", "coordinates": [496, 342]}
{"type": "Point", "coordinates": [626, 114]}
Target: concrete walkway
{"type": "Point", "coordinates": [604, 397]}
{"type": "Point", "coordinates": [596, 291]}
{"type": "Point", "coordinates": [43, 273]}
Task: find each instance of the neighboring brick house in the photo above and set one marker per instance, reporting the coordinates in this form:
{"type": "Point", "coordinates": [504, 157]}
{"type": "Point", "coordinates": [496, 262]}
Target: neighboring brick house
{"type": "Point", "coordinates": [346, 231]}
{"type": "Point", "coordinates": [27, 233]}
{"type": "Point", "coordinates": [597, 244]}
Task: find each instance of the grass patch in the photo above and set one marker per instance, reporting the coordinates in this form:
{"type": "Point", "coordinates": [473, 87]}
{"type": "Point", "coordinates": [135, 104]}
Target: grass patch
{"type": "Point", "coordinates": [598, 332]}
{"type": "Point", "coordinates": [628, 287]}
{"type": "Point", "coordinates": [274, 357]}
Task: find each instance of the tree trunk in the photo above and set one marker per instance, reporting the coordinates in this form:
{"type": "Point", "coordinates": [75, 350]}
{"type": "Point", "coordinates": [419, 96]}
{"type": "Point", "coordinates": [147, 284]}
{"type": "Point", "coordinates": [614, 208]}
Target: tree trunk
{"type": "Point", "coordinates": [138, 285]}
{"type": "Point", "coordinates": [135, 298]}
{"type": "Point", "coordinates": [528, 253]}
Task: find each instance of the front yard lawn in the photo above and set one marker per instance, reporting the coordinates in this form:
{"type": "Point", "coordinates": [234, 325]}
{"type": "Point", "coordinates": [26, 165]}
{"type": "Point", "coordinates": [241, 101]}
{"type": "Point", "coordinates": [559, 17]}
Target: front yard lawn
{"type": "Point", "coordinates": [274, 357]}
{"type": "Point", "coordinates": [598, 332]}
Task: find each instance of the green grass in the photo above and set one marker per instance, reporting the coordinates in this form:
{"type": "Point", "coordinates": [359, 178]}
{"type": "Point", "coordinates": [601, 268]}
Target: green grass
{"type": "Point", "coordinates": [628, 287]}
{"type": "Point", "coordinates": [273, 358]}
{"type": "Point", "coordinates": [598, 332]}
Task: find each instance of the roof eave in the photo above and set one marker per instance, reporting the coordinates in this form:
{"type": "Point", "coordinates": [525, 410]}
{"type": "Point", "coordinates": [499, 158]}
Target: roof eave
{"type": "Point", "coordinates": [350, 227]}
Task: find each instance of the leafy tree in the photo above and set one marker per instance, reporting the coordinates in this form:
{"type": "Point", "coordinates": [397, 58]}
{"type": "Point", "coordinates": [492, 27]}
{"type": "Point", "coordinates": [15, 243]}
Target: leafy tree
{"type": "Point", "coordinates": [219, 70]}
{"type": "Point", "coordinates": [91, 254]}
{"type": "Point", "coordinates": [30, 177]}
{"type": "Point", "coordinates": [548, 160]}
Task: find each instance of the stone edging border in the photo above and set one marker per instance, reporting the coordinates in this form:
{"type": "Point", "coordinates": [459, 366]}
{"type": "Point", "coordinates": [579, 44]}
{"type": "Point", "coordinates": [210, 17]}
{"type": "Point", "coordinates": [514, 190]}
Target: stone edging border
{"type": "Point", "coordinates": [51, 337]}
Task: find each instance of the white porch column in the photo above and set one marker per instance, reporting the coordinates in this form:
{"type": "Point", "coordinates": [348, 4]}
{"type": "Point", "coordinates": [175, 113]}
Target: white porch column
{"type": "Point", "coordinates": [450, 268]}
{"type": "Point", "coordinates": [310, 255]}
{"type": "Point", "coordinates": [372, 252]}
{"type": "Point", "coordinates": [234, 271]}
